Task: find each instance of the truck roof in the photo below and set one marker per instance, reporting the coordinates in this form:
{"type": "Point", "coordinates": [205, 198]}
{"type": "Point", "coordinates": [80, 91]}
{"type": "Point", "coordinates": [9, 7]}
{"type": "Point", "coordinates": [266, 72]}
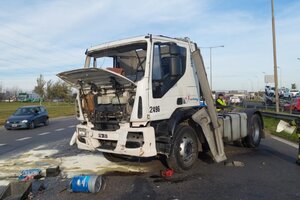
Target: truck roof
{"type": "Point", "coordinates": [133, 40]}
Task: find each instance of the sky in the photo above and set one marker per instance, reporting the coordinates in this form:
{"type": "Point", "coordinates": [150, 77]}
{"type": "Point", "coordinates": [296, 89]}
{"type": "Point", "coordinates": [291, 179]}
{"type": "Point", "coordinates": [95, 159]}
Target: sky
{"type": "Point", "coordinates": [48, 37]}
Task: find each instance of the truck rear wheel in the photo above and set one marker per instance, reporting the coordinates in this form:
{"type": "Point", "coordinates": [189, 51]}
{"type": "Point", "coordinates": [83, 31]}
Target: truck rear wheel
{"type": "Point", "coordinates": [254, 132]}
{"type": "Point", "coordinates": [185, 149]}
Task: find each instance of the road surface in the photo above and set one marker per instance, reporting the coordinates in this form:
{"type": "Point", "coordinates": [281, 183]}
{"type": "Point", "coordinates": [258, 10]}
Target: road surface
{"type": "Point", "coordinates": [268, 172]}
{"type": "Point", "coordinates": [14, 141]}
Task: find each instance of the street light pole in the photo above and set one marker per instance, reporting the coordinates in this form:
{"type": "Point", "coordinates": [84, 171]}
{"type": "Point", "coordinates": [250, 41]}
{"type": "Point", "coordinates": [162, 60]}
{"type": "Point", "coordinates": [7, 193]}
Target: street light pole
{"type": "Point", "coordinates": [210, 62]}
{"type": "Point", "coordinates": [280, 76]}
{"type": "Point", "coordinates": [275, 59]}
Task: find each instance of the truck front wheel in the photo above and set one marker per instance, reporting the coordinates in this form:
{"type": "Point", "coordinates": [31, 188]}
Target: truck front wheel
{"type": "Point", "coordinates": [185, 149]}
{"type": "Point", "coordinates": [254, 132]}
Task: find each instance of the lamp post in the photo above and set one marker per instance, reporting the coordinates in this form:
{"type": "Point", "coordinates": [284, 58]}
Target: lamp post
{"type": "Point", "coordinates": [210, 62]}
{"type": "Point", "coordinates": [280, 76]}
{"type": "Point", "coordinates": [275, 58]}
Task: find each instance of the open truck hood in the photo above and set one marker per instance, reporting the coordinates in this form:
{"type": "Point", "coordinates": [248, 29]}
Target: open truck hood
{"type": "Point", "coordinates": [98, 76]}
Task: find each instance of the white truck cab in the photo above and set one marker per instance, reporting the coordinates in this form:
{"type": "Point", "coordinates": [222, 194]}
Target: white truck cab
{"type": "Point", "coordinates": [144, 97]}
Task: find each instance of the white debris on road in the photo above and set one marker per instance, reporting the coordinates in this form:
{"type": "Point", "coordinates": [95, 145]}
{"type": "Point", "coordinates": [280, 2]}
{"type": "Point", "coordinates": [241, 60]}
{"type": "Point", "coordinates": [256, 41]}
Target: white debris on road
{"type": "Point", "coordinates": [61, 154]}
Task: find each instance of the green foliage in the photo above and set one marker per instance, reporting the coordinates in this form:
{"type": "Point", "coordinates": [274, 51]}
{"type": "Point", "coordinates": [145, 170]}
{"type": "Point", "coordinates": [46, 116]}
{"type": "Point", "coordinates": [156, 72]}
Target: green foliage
{"type": "Point", "coordinates": [53, 90]}
{"type": "Point", "coordinates": [39, 88]}
{"type": "Point", "coordinates": [271, 125]}
{"type": "Point", "coordinates": [60, 90]}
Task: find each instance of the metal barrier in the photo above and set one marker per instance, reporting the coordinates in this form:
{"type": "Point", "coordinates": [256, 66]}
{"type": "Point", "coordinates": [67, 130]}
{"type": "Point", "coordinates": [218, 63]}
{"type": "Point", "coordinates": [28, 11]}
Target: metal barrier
{"type": "Point", "coordinates": [280, 115]}
{"type": "Point", "coordinates": [296, 118]}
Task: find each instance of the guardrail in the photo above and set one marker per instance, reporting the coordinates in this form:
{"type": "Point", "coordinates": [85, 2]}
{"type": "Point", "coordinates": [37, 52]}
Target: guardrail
{"type": "Point", "coordinates": [280, 115]}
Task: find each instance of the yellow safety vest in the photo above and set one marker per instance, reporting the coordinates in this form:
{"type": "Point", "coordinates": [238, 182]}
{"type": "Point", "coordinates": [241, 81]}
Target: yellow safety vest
{"type": "Point", "coordinates": [220, 102]}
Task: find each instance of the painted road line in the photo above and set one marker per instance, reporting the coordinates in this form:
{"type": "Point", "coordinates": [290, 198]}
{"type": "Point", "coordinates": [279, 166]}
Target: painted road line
{"type": "Point", "coordinates": [285, 141]}
{"type": "Point", "coordinates": [21, 139]}
{"type": "Point", "coordinates": [72, 126]}
{"type": "Point", "coordinates": [60, 129]}
{"type": "Point", "coordinates": [2, 145]}
{"type": "Point", "coordinates": [46, 133]}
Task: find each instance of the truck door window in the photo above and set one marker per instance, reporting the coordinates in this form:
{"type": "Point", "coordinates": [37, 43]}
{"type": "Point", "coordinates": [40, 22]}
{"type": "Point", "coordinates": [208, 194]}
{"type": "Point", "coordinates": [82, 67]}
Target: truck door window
{"type": "Point", "coordinates": [169, 63]}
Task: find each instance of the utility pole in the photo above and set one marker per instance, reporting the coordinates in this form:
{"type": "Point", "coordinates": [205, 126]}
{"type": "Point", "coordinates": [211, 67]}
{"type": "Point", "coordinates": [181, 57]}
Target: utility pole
{"type": "Point", "coordinates": [275, 59]}
{"type": "Point", "coordinates": [210, 62]}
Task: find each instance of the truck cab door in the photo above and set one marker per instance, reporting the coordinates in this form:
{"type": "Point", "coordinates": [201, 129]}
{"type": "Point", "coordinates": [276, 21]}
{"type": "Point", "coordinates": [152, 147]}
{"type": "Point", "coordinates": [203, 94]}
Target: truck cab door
{"type": "Point", "coordinates": [172, 80]}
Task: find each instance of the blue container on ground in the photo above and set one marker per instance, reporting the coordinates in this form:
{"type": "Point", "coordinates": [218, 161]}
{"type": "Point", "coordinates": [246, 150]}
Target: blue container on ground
{"type": "Point", "coordinates": [85, 183]}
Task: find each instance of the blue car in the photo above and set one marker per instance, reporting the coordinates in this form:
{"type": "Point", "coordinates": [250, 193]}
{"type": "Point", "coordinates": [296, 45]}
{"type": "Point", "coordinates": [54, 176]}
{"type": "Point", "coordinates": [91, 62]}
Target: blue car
{"type": "Point", "coordinates": [27, 117]}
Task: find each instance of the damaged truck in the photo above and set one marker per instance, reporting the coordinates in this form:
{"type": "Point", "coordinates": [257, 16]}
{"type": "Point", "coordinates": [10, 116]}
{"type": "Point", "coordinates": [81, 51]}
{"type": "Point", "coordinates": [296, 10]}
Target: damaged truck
{"type": "Point", "coordinates": [143, 97]}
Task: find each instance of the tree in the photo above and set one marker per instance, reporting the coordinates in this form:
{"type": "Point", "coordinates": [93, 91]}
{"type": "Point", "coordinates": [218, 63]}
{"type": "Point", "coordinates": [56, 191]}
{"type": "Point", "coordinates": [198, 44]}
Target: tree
{"type": "Point", "coordinates": [39, 88]}
{"type": "Point", "coordinates": [49, 93]}
{"type": "Point", "coordinates": [294, 86]}
{"type": "Point", "coordinates": [58, 90]}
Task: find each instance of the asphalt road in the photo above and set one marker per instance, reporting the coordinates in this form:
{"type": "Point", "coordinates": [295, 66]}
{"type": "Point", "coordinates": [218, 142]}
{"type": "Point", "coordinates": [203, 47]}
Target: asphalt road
{"type": "Point", "coordinates": [15, 141]}
{"type": "Point", "coordinates": [268, 172]}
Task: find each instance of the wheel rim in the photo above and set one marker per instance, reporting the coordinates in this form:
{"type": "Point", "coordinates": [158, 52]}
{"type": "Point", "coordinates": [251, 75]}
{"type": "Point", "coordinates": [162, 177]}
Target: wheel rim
{"type": "Point", "coordinates": [186, 148]}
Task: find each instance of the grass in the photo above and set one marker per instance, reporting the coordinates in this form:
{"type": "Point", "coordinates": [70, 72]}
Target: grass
{"type": "Point", "coordinates": [271, 125]}
{"type": "Point", "coordinates": [54, 109]}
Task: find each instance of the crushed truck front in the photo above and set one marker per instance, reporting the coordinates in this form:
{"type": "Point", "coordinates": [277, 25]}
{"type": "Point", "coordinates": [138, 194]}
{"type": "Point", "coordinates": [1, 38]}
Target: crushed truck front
{"type": "Point", "coordinates": [112, 102]}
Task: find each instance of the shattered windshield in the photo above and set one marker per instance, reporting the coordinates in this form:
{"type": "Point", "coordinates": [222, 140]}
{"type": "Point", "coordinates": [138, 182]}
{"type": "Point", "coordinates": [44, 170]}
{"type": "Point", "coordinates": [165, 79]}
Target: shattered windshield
{"type": "Point", "coordinates": [127, 60]}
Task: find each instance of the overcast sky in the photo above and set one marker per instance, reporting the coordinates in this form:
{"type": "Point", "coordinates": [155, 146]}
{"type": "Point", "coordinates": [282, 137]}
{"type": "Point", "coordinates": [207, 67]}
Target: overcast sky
{"type": "Point", "coordinates": [48, 37]}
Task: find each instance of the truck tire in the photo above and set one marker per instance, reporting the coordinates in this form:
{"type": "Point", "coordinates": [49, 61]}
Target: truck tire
{"type": "Point", "coordinates": [185, 149]}
{"type": "Point", "coordinates": [254, 132]}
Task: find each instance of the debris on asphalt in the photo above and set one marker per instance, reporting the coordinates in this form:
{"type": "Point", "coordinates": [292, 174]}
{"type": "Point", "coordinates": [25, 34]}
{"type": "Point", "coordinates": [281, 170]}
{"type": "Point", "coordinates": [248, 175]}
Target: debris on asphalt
{"type": "Point", "coordinates": [167, 173]}
{"type": "Point", "coordinates": [52, 171]}
{"type": "Point", "coordinates": [17, 190]}
{"type": "Point", "coordinates": [29, 174]}
{"type": "Point", "coordinates": [41, 188]}
{"type": "Point", "coordinates": [234, 164]}
{"type": "Point", "coordinates": [285, 126]}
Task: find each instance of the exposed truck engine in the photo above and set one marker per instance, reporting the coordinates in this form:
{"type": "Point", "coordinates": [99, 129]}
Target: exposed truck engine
{"type": "Point", "coordinates": [142, 97]}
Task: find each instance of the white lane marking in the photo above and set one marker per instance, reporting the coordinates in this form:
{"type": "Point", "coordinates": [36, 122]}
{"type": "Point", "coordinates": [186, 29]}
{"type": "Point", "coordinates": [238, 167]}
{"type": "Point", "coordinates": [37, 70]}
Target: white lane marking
{"type": "Point", "coordinates": [285, 141]}
{"type": "Point", "coordinates": [25, 138]}
{"type": "Point", "coordinates": [2, 145]}
{"type": "Point", "coordinates": [46, 133]}
{"type": "Point", "coordinates": [60, 129]}
{"type": "Point", "coordinates": [71, 126]}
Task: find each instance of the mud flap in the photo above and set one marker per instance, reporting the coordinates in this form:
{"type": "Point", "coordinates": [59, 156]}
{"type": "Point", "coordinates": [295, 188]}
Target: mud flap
{"type": "Point", "coordinates": [213, 136]}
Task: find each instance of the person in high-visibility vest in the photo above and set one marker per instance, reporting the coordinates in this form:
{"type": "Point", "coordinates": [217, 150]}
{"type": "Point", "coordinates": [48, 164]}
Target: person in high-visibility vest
{"type": "Point", "coordinates": [220, 102]}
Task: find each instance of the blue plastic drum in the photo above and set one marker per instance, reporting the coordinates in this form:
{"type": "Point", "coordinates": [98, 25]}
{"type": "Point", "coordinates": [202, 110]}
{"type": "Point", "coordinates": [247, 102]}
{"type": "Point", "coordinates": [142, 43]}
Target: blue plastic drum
{"type": "Point", "coordinates": [86, 184]}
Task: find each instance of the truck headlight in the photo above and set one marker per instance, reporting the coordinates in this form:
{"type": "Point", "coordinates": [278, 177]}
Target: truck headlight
{"type": "Point", "coordinates": [82, 132]}
{"type": "Point", "coordinates": [24, 121]}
